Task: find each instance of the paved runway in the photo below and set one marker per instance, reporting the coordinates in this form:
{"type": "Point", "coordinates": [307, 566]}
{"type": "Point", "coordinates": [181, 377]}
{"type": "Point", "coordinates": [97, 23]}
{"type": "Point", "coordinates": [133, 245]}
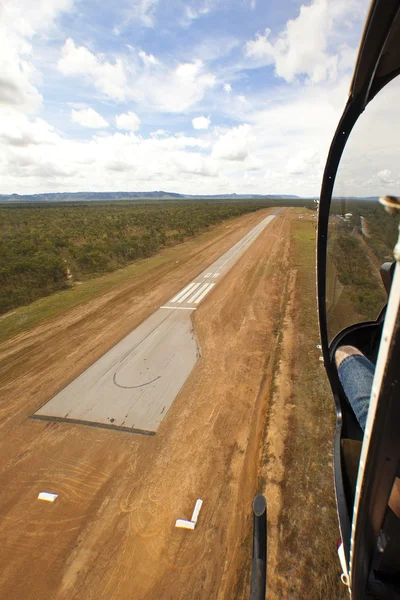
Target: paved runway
{"type": "Point", "coordinates": [133, 385]}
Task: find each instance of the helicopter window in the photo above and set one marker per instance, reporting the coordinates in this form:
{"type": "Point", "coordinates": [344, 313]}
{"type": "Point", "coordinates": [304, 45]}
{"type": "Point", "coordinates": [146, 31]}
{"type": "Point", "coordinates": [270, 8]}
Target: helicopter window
{"type": "Point", "coordinates": [361, 236]}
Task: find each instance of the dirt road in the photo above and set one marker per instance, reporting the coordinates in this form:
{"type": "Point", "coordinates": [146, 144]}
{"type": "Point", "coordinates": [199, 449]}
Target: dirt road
{"type": "Point", "coordinates": [110, 534]}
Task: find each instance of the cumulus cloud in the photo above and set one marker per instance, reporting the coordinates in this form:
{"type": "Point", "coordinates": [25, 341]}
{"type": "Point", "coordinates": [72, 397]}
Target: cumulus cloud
{"type": "Point", "coordinates": [234, 144]}
{"type": "Point", "coordinates": [108, 77]}
{"type": "Point", "coordinates": [142, 78]}
{"type": "Point", "coordinates": [201, 122]}
{"type": "Point", "coordinates": [88, 117]}
{"type": "Point", "coordinates": [110, 161]}
{"type": "Point", "coordinates": [128, 121]}
{"type": "Point", "coordinates": [278, 138]}
{"type": "Point", "coordinates": [20, 21]}
{"type": "Point", "coordinates": [196, 164]}
{"type": "Point", "coordinates": [301, 48]}
{"type": "Point", "coordinates": [17, 130]}
{"type": "Point", "coordinates": [302, 162]}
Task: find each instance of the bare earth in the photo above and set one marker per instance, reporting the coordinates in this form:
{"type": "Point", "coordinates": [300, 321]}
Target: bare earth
{"type": "Point", "coordinates": [110, 534]}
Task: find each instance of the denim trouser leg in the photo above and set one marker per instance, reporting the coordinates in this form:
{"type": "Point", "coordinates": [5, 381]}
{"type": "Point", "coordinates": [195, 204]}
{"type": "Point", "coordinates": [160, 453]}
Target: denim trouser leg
{"type": "Point", "coordinates": [356, 374]}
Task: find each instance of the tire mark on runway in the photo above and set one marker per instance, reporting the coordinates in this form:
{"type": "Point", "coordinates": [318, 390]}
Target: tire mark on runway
{"type": "Point", "coordinates": [133, 387]}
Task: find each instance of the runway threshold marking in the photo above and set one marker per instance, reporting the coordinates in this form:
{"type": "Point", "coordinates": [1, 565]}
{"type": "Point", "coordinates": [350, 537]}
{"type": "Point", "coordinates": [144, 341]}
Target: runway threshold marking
{"type": "Point", "coordinates": [195, 291]}
{"type": "Point", "coordinates": [210, 286]}
{"type": "Point", "coordinates": [179, 294]}
{"type": "Point", "coordinates": [179, 307]}
{"type": "Point", "coordinates": [188, 293]}
{"type": "Point", "coordinates": [198, 293]}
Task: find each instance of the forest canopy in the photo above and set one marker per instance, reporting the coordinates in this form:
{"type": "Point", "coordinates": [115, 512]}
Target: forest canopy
{"type": "Point", "coordinates": [46, 247]}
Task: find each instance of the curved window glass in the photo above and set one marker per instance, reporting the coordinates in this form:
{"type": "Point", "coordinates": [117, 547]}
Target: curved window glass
{"type": "Point", "coordinates": [361, 235]}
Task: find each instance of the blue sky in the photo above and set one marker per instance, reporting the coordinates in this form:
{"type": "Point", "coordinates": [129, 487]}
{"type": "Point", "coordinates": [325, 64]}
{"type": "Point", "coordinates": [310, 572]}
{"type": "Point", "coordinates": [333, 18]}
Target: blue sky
{"type": "Point", "coordinates": [195, 97]}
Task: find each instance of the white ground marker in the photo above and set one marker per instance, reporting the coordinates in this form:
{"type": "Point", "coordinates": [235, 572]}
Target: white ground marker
{"type": "Point", "coordinates": [185, 524]}
{"type": "Point", "coordinates": [181, 523]}
{"type": "Point", "coordinates": [196, 511]}
{"type": "Point", "coordinates": [47, 496]}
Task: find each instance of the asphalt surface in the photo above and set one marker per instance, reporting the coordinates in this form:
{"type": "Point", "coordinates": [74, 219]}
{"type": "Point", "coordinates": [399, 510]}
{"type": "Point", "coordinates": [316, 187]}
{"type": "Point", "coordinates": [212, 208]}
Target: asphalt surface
{"type": "Point", "coordinates": [133, 385]}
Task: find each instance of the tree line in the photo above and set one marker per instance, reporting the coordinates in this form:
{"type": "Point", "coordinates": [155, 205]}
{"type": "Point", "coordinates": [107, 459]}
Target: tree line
{"type": "Point", "coordinates": [41, 246]}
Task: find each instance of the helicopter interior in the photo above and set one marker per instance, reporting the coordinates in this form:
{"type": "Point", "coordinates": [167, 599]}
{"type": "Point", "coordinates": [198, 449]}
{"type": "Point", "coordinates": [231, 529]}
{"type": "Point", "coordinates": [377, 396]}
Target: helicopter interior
{"type": "Point", "coordinates": [355, 269]}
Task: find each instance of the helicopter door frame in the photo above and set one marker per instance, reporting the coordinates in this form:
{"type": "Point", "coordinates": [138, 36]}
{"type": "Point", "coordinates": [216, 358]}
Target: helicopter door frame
{"type": "Point", "coordinates": [361, 536]}
{"type": "Point", "coordinates": [379, 461]}
{"type": "Point", "coordinates": [349, 118]}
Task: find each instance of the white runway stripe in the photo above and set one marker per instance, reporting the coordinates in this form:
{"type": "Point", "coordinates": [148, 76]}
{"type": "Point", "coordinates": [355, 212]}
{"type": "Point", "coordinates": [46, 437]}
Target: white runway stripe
{"type": "Point", "coordinates": [199, 291]}
{"type": "Point", "coordinates": [210, 286]}
{"type": "Point", "coordinates": [188, 287]}
{"type": "Point", "coordinates": [188, 293]}
{"type": "Point", "coordinates": [179, 307]}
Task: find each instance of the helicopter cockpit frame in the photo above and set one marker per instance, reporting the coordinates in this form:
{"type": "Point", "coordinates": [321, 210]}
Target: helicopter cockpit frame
{"type": "Point", "coordinates": [366, 464]}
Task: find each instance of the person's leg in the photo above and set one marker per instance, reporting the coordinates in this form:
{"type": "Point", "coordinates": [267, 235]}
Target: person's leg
{"type": "Point", "coordinates": [356, 374]}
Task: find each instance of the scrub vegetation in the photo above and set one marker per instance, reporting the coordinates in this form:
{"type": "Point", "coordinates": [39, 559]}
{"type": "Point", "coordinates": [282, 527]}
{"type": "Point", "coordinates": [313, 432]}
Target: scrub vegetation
{"type": "Point", "coordinates": [355, 252]}
{"type": "Point", "coordinates": [305, 563]}
{"type": "Point", "coordinates": [46, 248]}
{"type": "Point", "coordinates": [308, 557]}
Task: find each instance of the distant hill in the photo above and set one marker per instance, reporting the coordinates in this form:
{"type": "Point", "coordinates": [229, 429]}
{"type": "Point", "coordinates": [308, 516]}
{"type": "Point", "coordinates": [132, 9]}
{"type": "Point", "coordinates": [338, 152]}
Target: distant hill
{"type": "Point", "coordinates": [157, 195]}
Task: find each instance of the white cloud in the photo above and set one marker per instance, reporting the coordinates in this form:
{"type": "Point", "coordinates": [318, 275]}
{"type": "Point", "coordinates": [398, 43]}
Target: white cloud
{"type": "Point", "coordinates": [191, 14]}
{"type": "Point", "coordinates": [302, 162]}
{"type": "Point", "coordinates": [302, 47]}
{"type": "Point", "coordinates": [148, 59]}
{"type": "Point", "coordinates": [278, 138]}
{"type": "Point", "coordinates": [110, 161]}
{"type": "Point", "coordinates": [88, 117]}
{"type": "Point", "coordinates": [385, 176]}
{"type": "Point", "coordinates": [128, 121]}
{"type": "Point", "coordinates": [143, 11]}
{"type": "Point", "coordinates": [18, 131]}
{"type": "Point", "coordinates": [252, 163]}
{"type": "Point", "coordinates": [141, 79]}
{"type": "Point", "coordinates": [108, 77]}
{"type": "Point", "coordinates": [158, 133]}
{"type": "Point", "coordinates": [234, 144]}
{"type": "Point", "coordinates": [20, 21]}
{"type": "Point", "coordinates": [196, 164]}
{"type": "Point", "coordinates": [201, 122]}
{"type": "Point", "coordinates": [369, 164]}
{"type": "Point", "coordinates": [170, 89]}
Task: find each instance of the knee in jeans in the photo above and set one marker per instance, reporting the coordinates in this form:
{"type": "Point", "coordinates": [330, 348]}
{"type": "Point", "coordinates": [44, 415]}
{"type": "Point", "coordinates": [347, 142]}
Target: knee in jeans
{"type": "Point", "coordinates": [343, 352]}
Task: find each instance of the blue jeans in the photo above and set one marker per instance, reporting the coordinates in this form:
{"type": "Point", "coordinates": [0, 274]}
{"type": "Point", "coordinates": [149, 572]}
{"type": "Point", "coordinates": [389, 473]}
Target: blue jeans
{"type": "Point", "coordinates": [356, 374]}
